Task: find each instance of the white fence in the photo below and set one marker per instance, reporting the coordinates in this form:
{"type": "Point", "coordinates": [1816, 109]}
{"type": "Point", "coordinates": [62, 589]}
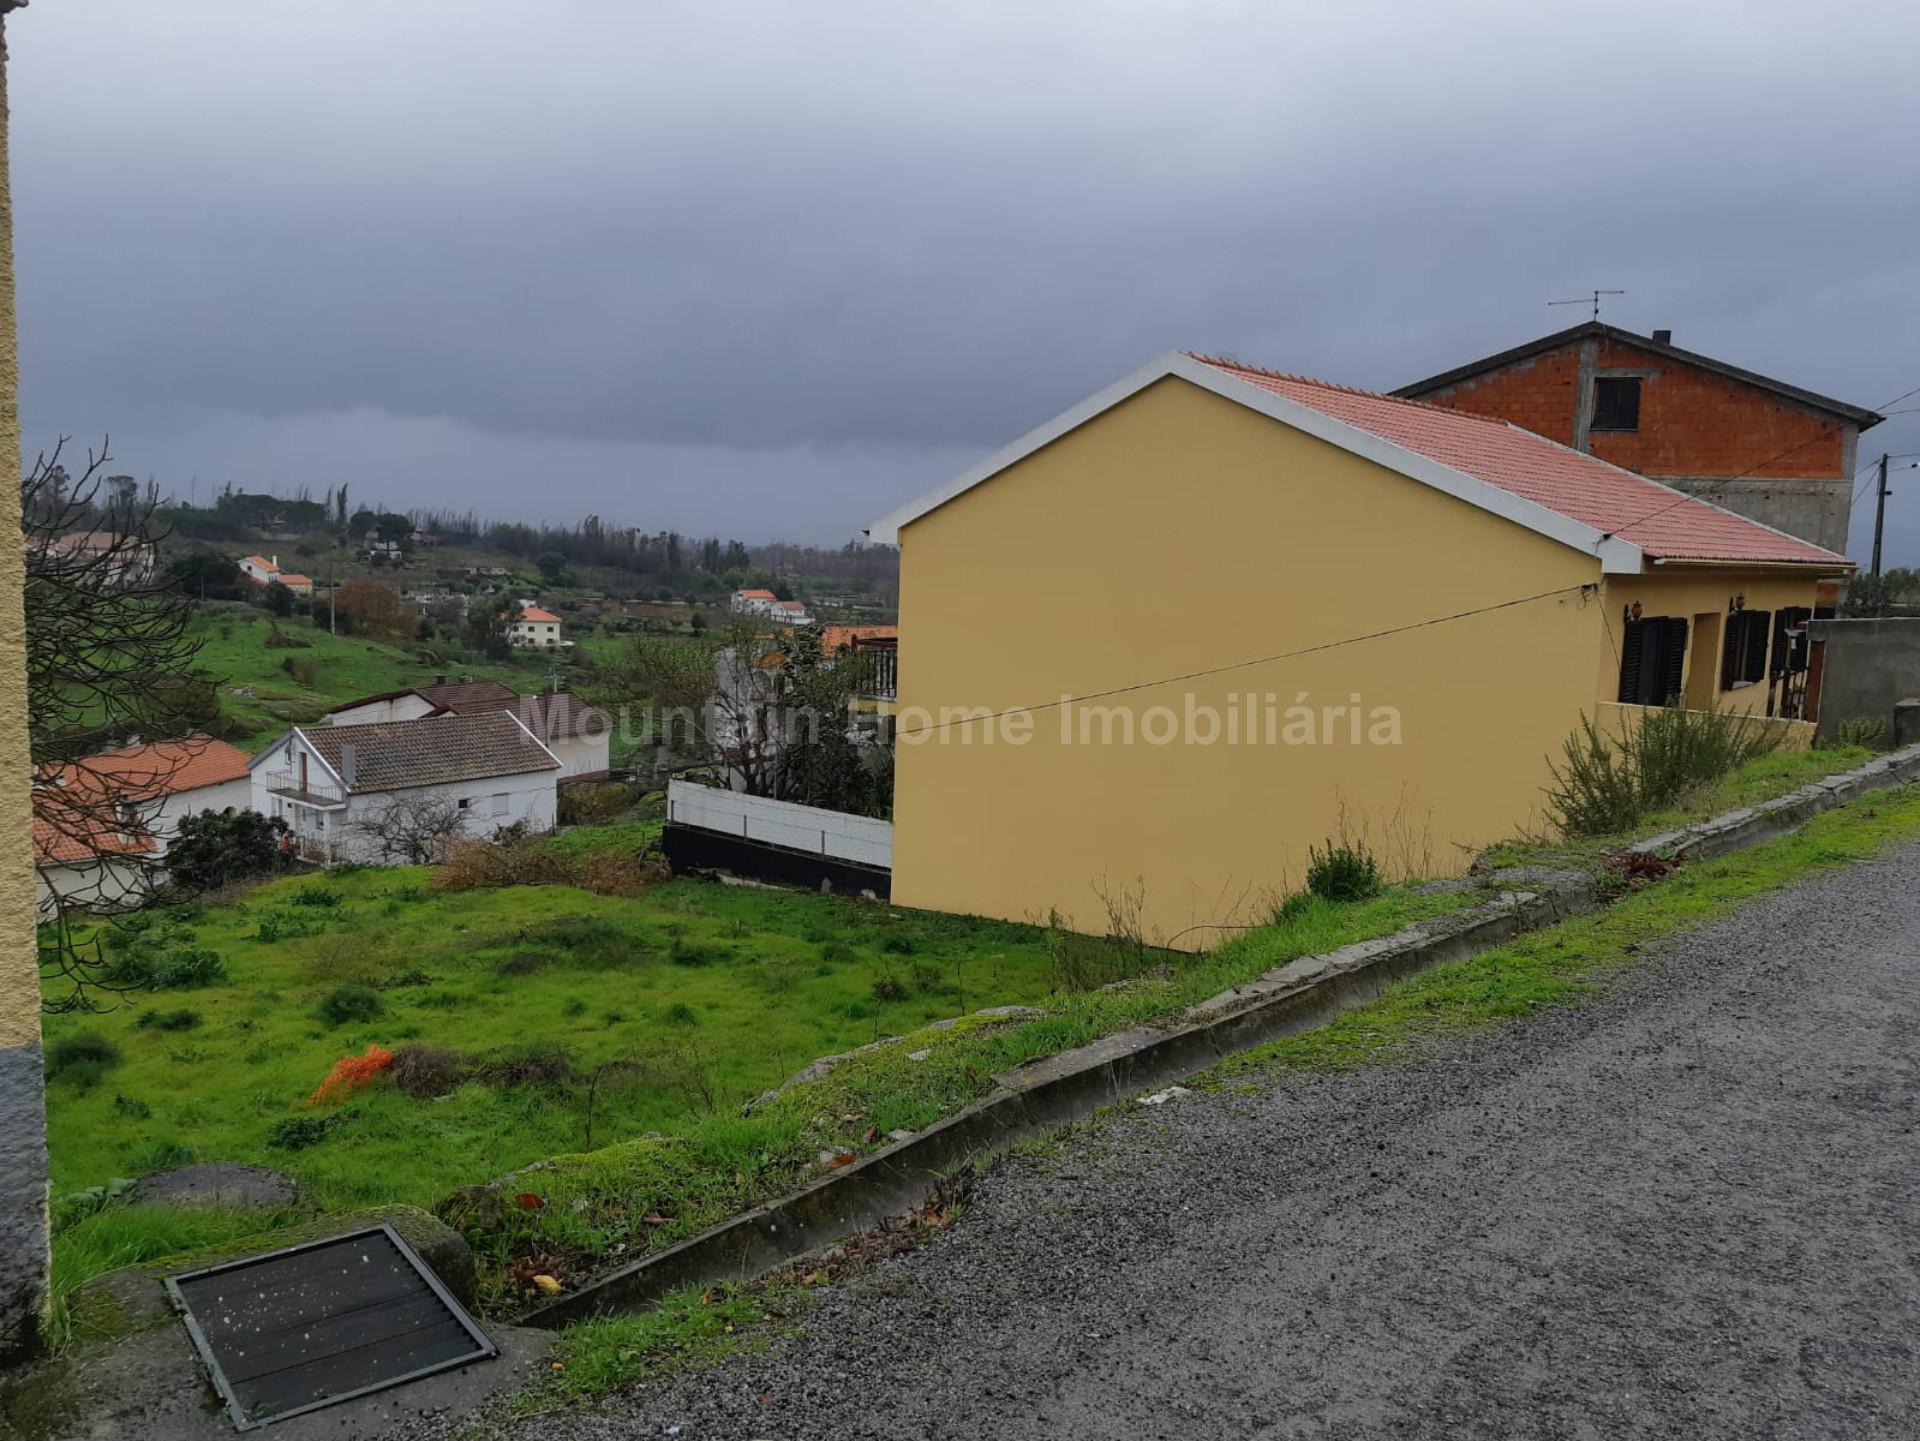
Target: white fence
{"type": "Point", "coordinates": [781, 823]}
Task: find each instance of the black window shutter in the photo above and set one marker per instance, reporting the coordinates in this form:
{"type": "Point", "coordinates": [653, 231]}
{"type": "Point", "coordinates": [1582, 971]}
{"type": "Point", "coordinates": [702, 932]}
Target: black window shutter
{"type": "Point", "coordinates": [1759, 628]}
{"type": "Point", "coordinates": [1673, 660]}
{"type": "Point", "coordinates": [1630, 649]}
{"type": "Point", "coordinates": [1733, 652]}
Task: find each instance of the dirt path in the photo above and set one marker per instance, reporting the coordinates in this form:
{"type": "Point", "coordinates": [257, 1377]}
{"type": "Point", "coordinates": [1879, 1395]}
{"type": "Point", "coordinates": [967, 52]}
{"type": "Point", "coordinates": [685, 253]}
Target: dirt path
{"type": "Point", "coordinates": [1690, 1208]}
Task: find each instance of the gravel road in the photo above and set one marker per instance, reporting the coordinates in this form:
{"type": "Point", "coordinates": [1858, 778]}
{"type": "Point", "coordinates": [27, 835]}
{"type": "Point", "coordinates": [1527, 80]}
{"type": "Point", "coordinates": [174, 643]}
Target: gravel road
{"type": "Point", "coordinates": [1689, 1208]}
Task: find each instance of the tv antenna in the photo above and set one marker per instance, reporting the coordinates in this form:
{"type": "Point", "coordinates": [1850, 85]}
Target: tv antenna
{"type": "Point", "coordinates": [1593, 300]}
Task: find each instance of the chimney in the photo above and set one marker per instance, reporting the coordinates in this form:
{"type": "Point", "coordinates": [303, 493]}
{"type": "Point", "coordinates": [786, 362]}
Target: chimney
{"type": "Point", "coordinates": [348, 765]}
{"type": "Point", "coordinates": [440, 679]}
{"type": "Point", "coordinates": [1663, 337]}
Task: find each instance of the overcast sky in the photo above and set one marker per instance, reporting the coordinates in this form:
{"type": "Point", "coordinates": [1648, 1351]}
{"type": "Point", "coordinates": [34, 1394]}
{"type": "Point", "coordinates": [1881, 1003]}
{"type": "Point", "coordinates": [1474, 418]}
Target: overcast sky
{"type": "Point", "coordinates": [769, 269]}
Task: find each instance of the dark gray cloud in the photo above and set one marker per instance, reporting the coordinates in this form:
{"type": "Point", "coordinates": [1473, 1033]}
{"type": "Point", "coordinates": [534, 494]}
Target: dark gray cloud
{"type": "Point", "coordinates": [768, 269]}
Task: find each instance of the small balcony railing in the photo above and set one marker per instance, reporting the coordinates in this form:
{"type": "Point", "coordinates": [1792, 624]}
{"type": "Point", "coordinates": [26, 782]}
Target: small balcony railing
{"type": "Point", "coordinates": [311, 789]}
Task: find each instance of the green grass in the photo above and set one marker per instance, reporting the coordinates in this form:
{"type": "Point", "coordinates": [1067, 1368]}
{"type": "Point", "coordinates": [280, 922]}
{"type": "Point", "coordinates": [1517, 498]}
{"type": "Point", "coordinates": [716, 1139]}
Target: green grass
{"type": "Point", "coordinates": [688, 1328]}
{"type": "Point", "coordinates": [105, 1239]}
{"type": "Point", "coordinates": [706, 994]}
{"type": "Point", "coordinates": [617, 1202]}
{"type": "Point", "coordinates": [332, 669]}
{"type": "Point", "coordinates": [1562, 963]}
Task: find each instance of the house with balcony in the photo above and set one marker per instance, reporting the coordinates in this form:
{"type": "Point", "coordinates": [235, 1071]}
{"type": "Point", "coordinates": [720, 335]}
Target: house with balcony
{"type": "Point", "coordinates": [343, 789]}
{"type": "Point", "coordinates": [766, 603]}
{"type": "Point", "coordinates": [1370, 615]}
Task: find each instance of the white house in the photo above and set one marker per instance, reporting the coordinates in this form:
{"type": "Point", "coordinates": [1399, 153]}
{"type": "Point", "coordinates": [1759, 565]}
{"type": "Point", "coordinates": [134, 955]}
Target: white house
{"type": "Point", "coordinates": [354, 792]}
{"type": "Point", "coordinates": [102, 825]}
{"type": "Point", "coordinates": [536, 629]}
{"type": "Point", "coordinates": [578, 734]}
{"type": "Point", "coordinates": [765, 602]}
{"type": "Point", "coordinates": [264, 570]}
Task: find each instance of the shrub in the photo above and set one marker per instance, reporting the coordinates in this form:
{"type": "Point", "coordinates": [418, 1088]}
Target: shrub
{"type": "Point", "coordinates": [82, 1058]}
{"type": "Point", "coordinates": [325, 897]}
{"type": "Point", "coordinates": [610, 874]}
{"type": "Point", "coordinates": [133, 1108]}
{"type": "Point", "coordinates": [681, 1014]}
{"type": "Point", "coordinates": [1344, 871]}
{"type": "Point", "coordinates": [348, 1004]}
{"type": "Point", "coordinates": [283, 925]}
{"type": "Point", "coordinates": [1865, 730]}
{"type": "Point", "coordinates": [217, 848]}
{"type": "Point", "coordinates": [889, 988]}
{"type": "Point", "coordinates": [687, 953]}
{"type": "Point", "coordinates": [180, 1020]}
{"type": "Point", "coordinates": [535, 1064]}
{"type": "Point", "coordinates": [836, 950]}
{"type": "Point", "coordinates": [898, 945]}
{"type": "Point", "coordinates": [522, 963]}
{"type": "Point", "coordinates": [594, 803]}
{"type": "Point", "coordinates": [1603, 785]}
{"type": "Point", "coordinates": [424, 1072]}
{"type": "Point", "coordinates": [573, 1006]}
{"type": "Point", "coordinates": [296, 1133]}
{"type": "Point", "coordinates": [927, 978]}
{"type": "Point", "coordinates": [176, 970]}
{"type": "Point", "coordinates": [477, 865]}
{"type": "Point", "coordinates": [350, 1074]}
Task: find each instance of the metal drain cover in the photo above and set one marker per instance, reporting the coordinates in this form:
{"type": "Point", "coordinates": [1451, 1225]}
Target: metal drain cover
{"type": "Point", "coordinates": [295, 1330]}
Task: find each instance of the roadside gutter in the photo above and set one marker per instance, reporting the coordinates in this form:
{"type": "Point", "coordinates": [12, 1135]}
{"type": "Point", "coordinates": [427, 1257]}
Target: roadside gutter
{"type": "Point", "coordinates": [1056, 1090]}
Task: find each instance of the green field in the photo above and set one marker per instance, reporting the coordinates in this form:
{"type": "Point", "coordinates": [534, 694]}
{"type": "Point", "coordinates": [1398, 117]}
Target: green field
{"type": "Point", "coordinates": [732, 988]}
{"type": "Point", "coordinates": [293, 684]}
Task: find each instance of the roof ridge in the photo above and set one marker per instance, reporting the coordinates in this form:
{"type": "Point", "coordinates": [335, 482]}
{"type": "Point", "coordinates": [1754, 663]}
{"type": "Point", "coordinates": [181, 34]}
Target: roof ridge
{"type": "Point", "coordinates": [1222, 363]}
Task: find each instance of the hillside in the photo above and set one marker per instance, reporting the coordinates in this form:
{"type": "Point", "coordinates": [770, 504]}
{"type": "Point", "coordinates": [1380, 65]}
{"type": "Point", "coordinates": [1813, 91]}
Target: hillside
{"type": "Point", "coordinates": [265, 688]}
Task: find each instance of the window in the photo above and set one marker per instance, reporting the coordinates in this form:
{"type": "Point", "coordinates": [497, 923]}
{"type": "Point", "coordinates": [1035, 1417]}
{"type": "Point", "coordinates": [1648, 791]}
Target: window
{"type": "Point", "coordinates": [1743, 660]}
{"type": "Point", "coordinates": [465, 802]}
{"type": "Point", "coordinates": [1616, 402]}
{"type": "Point", "coordinates": [1653, 656]}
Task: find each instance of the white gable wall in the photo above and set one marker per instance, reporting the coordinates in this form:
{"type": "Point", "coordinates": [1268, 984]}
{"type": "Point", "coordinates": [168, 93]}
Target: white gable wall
{"type": "Point", "coordinates": [394, 708]}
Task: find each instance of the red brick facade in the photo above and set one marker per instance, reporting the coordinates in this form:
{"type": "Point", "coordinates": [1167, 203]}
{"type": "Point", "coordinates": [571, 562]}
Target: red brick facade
{"type": "Point", "coordinates": [1692, 422]}
{"type": "Point", "coordinates": [1768, 450]}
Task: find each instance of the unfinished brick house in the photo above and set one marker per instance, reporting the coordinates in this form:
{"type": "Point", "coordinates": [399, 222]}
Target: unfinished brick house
{"type": "Point", "coordinates": [1769, 450]}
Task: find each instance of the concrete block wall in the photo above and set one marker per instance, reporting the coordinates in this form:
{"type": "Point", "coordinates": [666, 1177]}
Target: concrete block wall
{"type": "Point", "coordinates": [1870, 667]}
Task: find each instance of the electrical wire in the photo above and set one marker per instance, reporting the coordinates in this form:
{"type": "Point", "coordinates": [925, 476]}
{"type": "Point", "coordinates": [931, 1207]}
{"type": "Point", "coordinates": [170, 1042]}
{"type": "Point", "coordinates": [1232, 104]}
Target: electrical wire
{"type": "Point", "coordinates": [1583, 586]}
{"type": "Point", "coordinates": [1750, 471]}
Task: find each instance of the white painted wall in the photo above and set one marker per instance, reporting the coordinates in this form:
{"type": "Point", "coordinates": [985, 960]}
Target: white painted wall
{"type": "Point", "coordinates": [164, 819]}
{"type": "Point", "coordinates": [582, 755]}
{"type": "Point", "coordinates": [781, 823]}
{"type": "Point", "coordinates": [398, 708]}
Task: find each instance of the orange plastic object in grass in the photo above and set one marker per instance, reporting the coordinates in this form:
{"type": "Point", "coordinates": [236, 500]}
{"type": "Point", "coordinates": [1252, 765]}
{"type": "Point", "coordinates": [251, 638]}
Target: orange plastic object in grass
{"type": "Point", "coordinates": [350, 1073]}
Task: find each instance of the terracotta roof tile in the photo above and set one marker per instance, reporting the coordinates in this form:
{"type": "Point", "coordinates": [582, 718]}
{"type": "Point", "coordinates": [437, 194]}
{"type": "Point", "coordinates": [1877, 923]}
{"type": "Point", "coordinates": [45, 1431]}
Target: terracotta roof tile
{"type": "Point", "coordinates": [1665, 524]}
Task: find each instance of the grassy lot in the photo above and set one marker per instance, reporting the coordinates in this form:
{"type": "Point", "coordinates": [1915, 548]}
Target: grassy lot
{"type": "Point", "coordinates": [327, 670]}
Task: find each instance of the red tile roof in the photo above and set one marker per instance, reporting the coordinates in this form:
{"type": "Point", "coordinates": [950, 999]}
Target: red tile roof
{"type": "Point", "coordinates": [533, 612]}
{"type": "Point", "coordinates": [75, 805]}
{"type": "Point", "coordinates": [1663, 523]}
{"type": "Point", "coordinates": [159, 768]}
{"type": "Point", "coordinates": [755, 594]}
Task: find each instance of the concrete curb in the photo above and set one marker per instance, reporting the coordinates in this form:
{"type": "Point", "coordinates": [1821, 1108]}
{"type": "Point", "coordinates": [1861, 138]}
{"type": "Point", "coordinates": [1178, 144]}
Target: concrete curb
{"type": "Point", "coordinates": [1754, 825]}
{"type": "Point", "coordinates": [1072, 1085]}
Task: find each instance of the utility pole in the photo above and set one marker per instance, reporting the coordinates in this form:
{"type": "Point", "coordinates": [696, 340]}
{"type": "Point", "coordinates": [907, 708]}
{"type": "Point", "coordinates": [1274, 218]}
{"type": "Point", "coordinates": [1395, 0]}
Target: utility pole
{"type": "Point", "coordinates": [1879, 512]}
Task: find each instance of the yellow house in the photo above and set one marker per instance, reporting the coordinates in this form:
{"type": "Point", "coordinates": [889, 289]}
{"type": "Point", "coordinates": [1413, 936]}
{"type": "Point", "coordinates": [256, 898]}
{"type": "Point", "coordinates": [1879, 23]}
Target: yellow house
{"type": "Point", "coordinates": [1210, 617]}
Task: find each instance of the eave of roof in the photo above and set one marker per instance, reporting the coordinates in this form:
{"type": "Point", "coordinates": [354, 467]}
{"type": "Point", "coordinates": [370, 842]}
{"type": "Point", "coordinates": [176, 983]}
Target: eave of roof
{"type": "Point", "coordinates": [1600, 330]}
